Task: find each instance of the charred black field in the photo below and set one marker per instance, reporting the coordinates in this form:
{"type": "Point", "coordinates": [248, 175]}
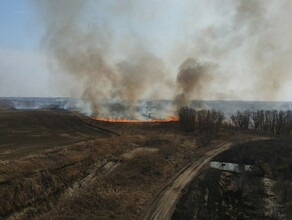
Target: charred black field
{"type": "Point", "coordinates": [57, 163]}
{"type": "Point", "coordinates": [25, 132]}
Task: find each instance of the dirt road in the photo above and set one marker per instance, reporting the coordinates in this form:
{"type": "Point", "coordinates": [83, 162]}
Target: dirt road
{"type": "Point", "coordinates": [163, 205]}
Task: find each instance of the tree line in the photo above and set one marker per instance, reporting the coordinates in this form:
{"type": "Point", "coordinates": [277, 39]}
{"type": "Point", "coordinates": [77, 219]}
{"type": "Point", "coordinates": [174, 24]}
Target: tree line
{"type": "Point", "coordinates": [208, 122]}
{"type": "Point", "coordinates": [205, 122]}
{"type": "Point", "coordinates": [270, 121]}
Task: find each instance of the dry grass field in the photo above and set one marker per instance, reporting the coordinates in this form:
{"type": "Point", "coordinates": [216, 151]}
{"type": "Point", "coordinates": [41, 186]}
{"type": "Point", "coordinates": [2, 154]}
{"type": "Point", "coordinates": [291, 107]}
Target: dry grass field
{"type": "Point", "coordinates": [62, 165]}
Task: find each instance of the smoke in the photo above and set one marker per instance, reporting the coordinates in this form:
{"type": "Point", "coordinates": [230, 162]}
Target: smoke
{"type": "Point", "coordinates": [74, 50]}
{"type": "Point", "coordinates": [130, 50]}
{"type": "Point", "coordinates": [137, 74]}
{"type": "Point", "coordinates": [250, 42]}
{"type": "Point", "coordinates": [268, 47]}
{"type": "Point", "coordinates": [192, 78]}
{"type": "Point", "coordinates": [84, 54]}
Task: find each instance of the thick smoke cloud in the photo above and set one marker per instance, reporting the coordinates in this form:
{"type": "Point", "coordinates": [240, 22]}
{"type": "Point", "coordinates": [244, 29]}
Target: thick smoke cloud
{"type": "Point", "coordinates": [114, 56]}
{"type": "Point", "coordinates": [193, 76]}
{"type": "Point", "coordinates": [83, 53]}
{"type": "Point", "coordinates": [251, 45]}
{"type": "Point", "coordinates": [137, 74]}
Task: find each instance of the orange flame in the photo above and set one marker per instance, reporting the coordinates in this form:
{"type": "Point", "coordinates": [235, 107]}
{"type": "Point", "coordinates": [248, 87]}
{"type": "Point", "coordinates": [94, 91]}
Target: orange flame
{"type": "Point", "coordinates": [169, 119]}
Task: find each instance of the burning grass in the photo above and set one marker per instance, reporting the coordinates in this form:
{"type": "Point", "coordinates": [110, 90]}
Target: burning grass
{"type": "Point", "coordinates": [121, 120]}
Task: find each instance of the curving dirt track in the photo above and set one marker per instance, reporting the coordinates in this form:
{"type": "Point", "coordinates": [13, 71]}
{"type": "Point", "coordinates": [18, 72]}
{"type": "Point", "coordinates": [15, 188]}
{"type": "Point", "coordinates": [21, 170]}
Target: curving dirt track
{"type": "Point", "coordinates": [163, 204]}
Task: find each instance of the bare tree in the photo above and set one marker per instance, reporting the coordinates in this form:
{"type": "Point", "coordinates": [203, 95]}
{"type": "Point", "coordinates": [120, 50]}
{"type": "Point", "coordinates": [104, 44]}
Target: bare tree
{"type": "Point", "coordinates": [187, 118]}
{"type": "Point", "coordinates": [206, 126]}
{"type": "Point", "coordinates": [270, 121]}
{"type": "Point", "coordinates": [241, 119]}
{"type": "Point", "coordinates": [209, 123]}
{"type": "Point", "coordinates": [217, 118]}
{"type": "Point", "coordinates": [258, 119]}
{"type": "Point", "coordinates": [206, 122]}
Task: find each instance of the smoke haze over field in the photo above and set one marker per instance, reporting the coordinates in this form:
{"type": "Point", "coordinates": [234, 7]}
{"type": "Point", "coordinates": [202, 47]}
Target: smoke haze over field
{"type": "Point", "coordinates": [84, 53]}
{"type": "Point", "coordinates": [181, 50]}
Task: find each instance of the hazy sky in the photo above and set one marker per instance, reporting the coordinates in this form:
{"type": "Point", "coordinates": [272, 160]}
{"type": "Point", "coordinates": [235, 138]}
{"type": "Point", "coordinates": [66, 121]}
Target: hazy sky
{"type": "Point", "coordinates": [249, 40]}
{"type": "Point", "coordinates": [23, 69]}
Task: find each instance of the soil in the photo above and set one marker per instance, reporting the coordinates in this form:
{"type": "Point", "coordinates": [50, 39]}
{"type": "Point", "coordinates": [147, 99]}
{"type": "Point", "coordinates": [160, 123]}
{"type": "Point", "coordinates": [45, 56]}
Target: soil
{"type": "Point", "coordinates": [26, 132]}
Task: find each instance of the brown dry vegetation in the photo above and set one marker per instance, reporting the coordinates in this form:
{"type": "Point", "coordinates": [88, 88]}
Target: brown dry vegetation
{"type": "Point", "coordinates": [263, 193]}
{"type": "Point", "coordinates": [79, 179]}
{"type": "Point", "coordinates": [95, 177]}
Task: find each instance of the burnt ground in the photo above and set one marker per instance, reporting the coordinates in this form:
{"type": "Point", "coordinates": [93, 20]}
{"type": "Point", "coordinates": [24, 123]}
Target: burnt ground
{"type": "Point", "coordinates": [58, 164]}
{"type": "Point", "coordinates": [265, 192]}
{"type": "Point", "coordinates": [25, 132]}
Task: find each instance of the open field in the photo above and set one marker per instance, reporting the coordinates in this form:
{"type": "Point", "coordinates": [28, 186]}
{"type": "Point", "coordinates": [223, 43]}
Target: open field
{"type": "Point", "coordinates": [59, 164]}
{"type": "Point", "coordinates": [145, 110]}
{"type": "Point", "coordinates": [25, 132]}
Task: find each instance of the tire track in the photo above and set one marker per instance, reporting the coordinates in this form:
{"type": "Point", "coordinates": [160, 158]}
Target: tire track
{"type": "Point", "coordinates": [163, 204]}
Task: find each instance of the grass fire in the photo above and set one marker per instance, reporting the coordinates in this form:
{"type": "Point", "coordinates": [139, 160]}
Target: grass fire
{"type": "Point", "coordinates": [169, 119]}
{"type": "Point", "coordinates": [145, 110]}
